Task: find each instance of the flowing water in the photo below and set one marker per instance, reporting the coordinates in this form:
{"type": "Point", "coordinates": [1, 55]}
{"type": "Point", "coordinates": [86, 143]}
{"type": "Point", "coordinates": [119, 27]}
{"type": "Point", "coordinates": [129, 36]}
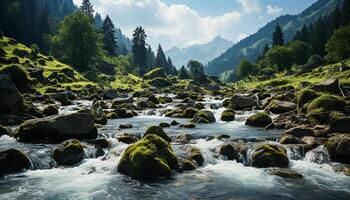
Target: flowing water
{"type": "Point", "coordinates": [97, 178]}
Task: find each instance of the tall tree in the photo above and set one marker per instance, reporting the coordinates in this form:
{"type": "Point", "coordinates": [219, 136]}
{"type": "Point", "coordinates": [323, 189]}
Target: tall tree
{"type": "Point", "coordinates": [139, 49]}
{"type": "Point", "coordinates": [183, 73]}
{"type": "Point", "coordinates": [277, 38]}
{"type": "Point", "coordinates": [77, 41]}
{"type": "Point", "coordinates": [151, 59]}
{"type": "Point", "coordinates": [338, 48]}
{"type": "Point", "coordinates": [161, 59]}
{"type": "Point", "coordinates": [87, 8]}
{"type": "Point", "coordinates": [110, 43]}
{"type": "Point", "coordinates": [196, 69]}
{"type": "Point", "coordinates": [245, 68]}
{"type": "Point", "coordinates": [319, 36]}
{"type": "Point", "coordinates": [170, 67]}
{"type": "Point", "coordinates": [302, 35]}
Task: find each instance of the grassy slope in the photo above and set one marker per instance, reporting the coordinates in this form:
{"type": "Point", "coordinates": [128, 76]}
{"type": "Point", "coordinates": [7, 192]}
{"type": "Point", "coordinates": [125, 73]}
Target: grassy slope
{"type": "Point", "coordinates": [317, 75]}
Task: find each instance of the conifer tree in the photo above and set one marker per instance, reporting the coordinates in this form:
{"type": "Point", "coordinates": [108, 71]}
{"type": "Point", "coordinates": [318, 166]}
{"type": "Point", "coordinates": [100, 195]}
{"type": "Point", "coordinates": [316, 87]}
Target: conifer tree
{"type": "Point", "coordinates": [110, 43]}
{"type": "Point", "coordinates": [87, 8]}
{"type": "Point", "coordinates": [277, 38]}
{"type": "Point", "coordinates": [139, 49]}
{"type": "Point", "coordinates": [183, 74]}
{"type": "Point", "coordinates": [161, 59]}
{"type": "Point", "coordinates": [150, 58]}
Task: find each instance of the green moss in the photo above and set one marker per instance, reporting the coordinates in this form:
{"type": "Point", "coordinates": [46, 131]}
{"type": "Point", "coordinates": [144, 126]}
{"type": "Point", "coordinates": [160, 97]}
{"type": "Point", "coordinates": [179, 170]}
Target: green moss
{"type": "Point", "coordinates": [326, 103]}
{"type": "Point", "coordinates": [155, 73]}
{"type": "Point", "coordinates": [189, 113]}
{"type": "Point", "coordinates": [305, 96]}
{"type": "Point", "coordinates": [228, 115]}
{"type": "Point", "coordinates": [259, 120]}
{"type": "Point", "coordinates": [157, 130]}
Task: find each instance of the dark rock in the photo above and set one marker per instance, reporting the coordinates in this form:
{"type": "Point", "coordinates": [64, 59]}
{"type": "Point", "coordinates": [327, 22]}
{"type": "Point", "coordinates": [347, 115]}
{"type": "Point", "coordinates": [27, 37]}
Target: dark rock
{"type": "Point", "coordinates": [63, 98]}
{"type": "Point", "coordinates": [279, 107]}
{"type": "Point", "coordinates": [127, 138]}
{"type": "Point", "coordinates": [125, 126]}
{"type": "Point", "coordinates": [145, 103]}
{"type": "Point", "coordinates": [10, 98]}
{"type": "Point", "coordinates": [153, 99]}
{"type": "Point", "coordinates": [268, 155]}
{"type": "Point", "coordinates": [204, 116]}
{"type": "Point", "coordinates": [112, 115]}
{"type": "Point", "coordinates": [339, 148]}
{"type": "Point", "coordinates": [195, 155]}
{"type": "Point", "coordinates": [120, 101]}
{"type": "Point", "coordinates": [160, 82]}
{"type": "Point", "coordinates": [186, 165]}
{"type": "Point", "coordinates": [189, 113]}
{"type": "Point", "coordinates": [331, 86]}
{"type": "Point", "coordinates": [305, 96]}
{"type": "Point", "coordinates": [157, 130]}
{"type": "Point", "coordinates": [50, 110]}
{"type": "Point", "coordinates": [189, 125]}
{"type": "Point", "coordinates": [69, 152]}
{"type": "Point", "coordinates": [3, 130]}
{"type": "Point", "coordinates": [182, 138]}
{"type": "Point", "coordinates": [174, 123]}
{"type": "Point", "coordinates": [290, 139]}
{"type": "Point", "coordinates": [242, 102]}
{"type": "Point", "coordinates": [13, 160]}
{"type": "Point", "coordinates": [285, 173]}
{"type": "Point", "coordinates": [164, 125]}
{"type": "Point", "coordinates": [228, 115]}
{"type": "Point", "coordinates": [340, 125]}
{"type": "Point", "coordinates": [182, 95]}
{"type": "Point", "coordinates": [98, 113]}
{"type": "Point", "coordinates": [58, 128]}
{"type": "Point", "coordinates": [110, 94]}
{"type": "Point", "coordinates": [148, 159]}
{"type": "Point", "coordinates": [259, 120]}
{"type": "Point", "coordinates": [299, 132]}
{"type": "Point", "coordinates": [229, 152]}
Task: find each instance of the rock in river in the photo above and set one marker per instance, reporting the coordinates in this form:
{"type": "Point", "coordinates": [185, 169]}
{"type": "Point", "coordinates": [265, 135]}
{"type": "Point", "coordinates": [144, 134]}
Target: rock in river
{"type": "Point", "coordinates": [259, 120]}
{"type": "Point", "coordinates": [13, 160]}
{"type": "Point", "coordinates": [58, 128]}
{"type": "Point", "coordinates": [69, 152]}
{"type": "Point", "coordinates": [339, 148]}
{"type": "Point", "coordinates": [268, 155]}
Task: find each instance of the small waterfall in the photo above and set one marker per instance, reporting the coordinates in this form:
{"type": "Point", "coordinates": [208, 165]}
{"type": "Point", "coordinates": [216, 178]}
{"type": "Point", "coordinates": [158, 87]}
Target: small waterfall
{"type": "Point", "coordinates": [318, 155]}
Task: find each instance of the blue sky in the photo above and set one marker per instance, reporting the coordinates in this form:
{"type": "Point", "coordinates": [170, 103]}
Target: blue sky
{"type": "Point", "coordinates": [186, 22]}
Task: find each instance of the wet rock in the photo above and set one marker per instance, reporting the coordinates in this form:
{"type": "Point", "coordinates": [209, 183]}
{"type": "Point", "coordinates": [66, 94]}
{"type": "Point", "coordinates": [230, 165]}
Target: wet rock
{"type": "Point", "coordinates": [157, 130]}
{"type": "Point", "coordinates": [148, 159]}
{"type": "Point", "coordinates": [10, 98]}
{"type": "Point", "coordinates": [182, 138]}
{"type": "Point", "coordinates": [204, 116]}
{"type": "Point", "coordinates": [112, 115]}
{"type": "Point", "coordinates": [58, 128]}
{"type": "Point", "coordinates": [345, 169]}
{"type": "Point", "coordinates": [174, 123]}
{"type": "Point", "coordinates": [100, 143]}
{"type": "Point", "coordinates": [125, 126]}
{"type": "Point", "coordinates": [290, 139]}
{"type": "Point", "coordinates": [146, 103]}
{"type": "Point", "coordinates": [331, 86]}
{"type": "Point", "coordinates": [165, 99]}
{"type": "Point", "coordinates": [127, 138]}
{"type": "Point", "coordinates": [182, 95]}
{"type": "Point", "coordinates": [98, 113]}
{"type": "Point", "coordinates": [195, 155]}
{"type": "Point", "coordinates": [339, 148]}
{"type": "Point", "coordinates": [305, 96]}
{"type": "Point", "coordinates": [63, 98]}
{"type": "Point", "coordinates": [186, 165]}
{"type": "Point", "coordinates": [229, 152]}
{"type": "Point", "coordinates": [299, 132]}
{"type": "Point", "coordinates": [153, 99]}
{"type": "Point", "coordinates": [199, 106]}
{"type": "Point", "coordinates": [221, 137]}
{"type": "Point", "coordinates": [13, 160]}
{"type": "Point", "coordinates": [228, 115]}
{"type": "Point", "coordinates": [120, 101]}
{"type": "Point", "coordinates": [268, 155]}
{"type": "Point", "coordinates": [326, 103]}
{"type": "Point", "coordinates": [189, 125]}
{"type": "Point", "coordinates": [164, 125]}
{"type": "Point", "coordinates": [3, 130]}
{"type": "Point", "coordinates": [259, 120]}
{"type": "Point", "coordinates": [242, 102]}
{"type": "Point", "coordinates": [279, 107]}
{"type": "Point", "coordinates": [110, 94]}
{"type": "Point", "coordinates": [69, 152]}
{"type": "Point", "coordinates": [50, 110]}
{"type": "Point", "coordinates": [285, 173]}
{"type": "Point", "coordinates": [340, 125]}
{"type": "Point", "coordinates": [189, 113]}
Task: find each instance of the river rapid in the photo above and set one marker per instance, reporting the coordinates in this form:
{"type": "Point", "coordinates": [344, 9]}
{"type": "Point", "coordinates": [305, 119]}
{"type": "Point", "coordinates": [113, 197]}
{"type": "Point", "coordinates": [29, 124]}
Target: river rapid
{"type": "Point", "coordinates": [96, 176]}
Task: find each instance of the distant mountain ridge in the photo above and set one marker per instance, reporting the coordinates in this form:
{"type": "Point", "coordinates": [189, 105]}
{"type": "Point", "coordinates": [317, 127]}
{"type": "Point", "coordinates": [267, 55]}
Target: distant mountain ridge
{"type": "Point", "coordinates": [203, 53]}
{"type": "Point", "coordinates": [252, 46]}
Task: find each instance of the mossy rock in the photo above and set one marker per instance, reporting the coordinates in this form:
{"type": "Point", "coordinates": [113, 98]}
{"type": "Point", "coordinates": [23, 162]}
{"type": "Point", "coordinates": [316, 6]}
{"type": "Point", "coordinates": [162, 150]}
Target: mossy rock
{"type": "Point", "coordinates": [195, 155]}
{"type": "Point", "coordinates": [326, 103]}
{"type": "Point", "coordinates": [160, 82]}
{"type": "Point", "coordinates": [228, 115]}
{"type": "Point", "coordinates": [204, 116]}
{"type": "Point", "coordinates": [155, 73]}
{"type": "Point", "coordinates": [164, 99]}
{"type": "Point", "coordinates": [290, 139]}
{"type": "Point", "coordinates": [229, 152]}
{"type": "Point", "coordinates": [280, 107]}
{"type": "Point", "coordinates": [189, 113]}
{"type": "Point", "coordinates": [259, 120]}
{"type": "Point", "coordinates": [50, 110]}
{"type": "Point", "coordinates": [3, 130]}
{"type": "Point", "coordinates": [20, 53]}
{"type": "Point", "coordinates": [285, 173]}
{"type": "Point", "coordinates": [112, 115]}
{"type": "Point", "coordinates": [19, 77]}
{"type": "Point", "coordinates": [13, 160]}
{"type": "Point", "coordinates": [339, 148]}
{"type": "Point", "coordinates": [269, 155]}
{"type": "Point", "coordinates": [69, 152]}
{"type": "Point", "coordinates": [305, 96]}
{"type": "Point", "coordinates": [186, 165]}
{"type": "Point", "coordinates": [157, 130]}
{"type": "Point", "coordinates": [189, 125]}
{"type": "Point", "coordinates": [149, 158]}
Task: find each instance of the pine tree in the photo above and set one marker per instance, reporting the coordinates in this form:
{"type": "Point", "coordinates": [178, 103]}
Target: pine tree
{"type": "Point", "coordinates": [122, 50]}
{"type": "Point", "coordinates": [319, 36]}
{"type": "Point", "coordinates": [110, 43]}
{"type": "Point", "coordinates": [183, 74]}
{"type": "Point", "coordinates": [161, 59]}
{"type": "Point", "coordinates": [151, 58]}
{"type": "Point", "coordinates": [302, 35]}
{"type": "Point", "coordinates": [139, 49]}
{"type": "Point", "coordinates": [87, 8]}
{"type": "Point", "coordinates": [170, 67]}
{"type": "Point", "coordinates": [277, 38]}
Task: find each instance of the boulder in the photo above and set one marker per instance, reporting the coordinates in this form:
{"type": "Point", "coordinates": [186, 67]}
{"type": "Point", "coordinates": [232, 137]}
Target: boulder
{"type": "Point", "coordinates": [98, 113]}
{"type": "Point", "coordinates": [50, 110]}
{"type": "Point", "coordinates": [157, 130]}
{"type": "Point", "coordinates": [145, 103]}
{"type": "Point", "coordinates": [340, 125]}
{"type": "Point", "coordinates": [280, 107]}
{"type": "Point", "coordinates": [204, 116]}
{"type": "Point", "coordinates": [285, 173]}
{"type": "Point", "coordinates": [242, 102]}
{"type": "Point", "coordinates": [174, 123]}
{"type": "Point", "coordinates": [330, 86]}
{"type": "Point", "coordinates": [13, 160]}
{"type": "Point", "coordinates": [229, 152]}
{"type": "Point", "coordinates": [160, 82]}
{"type": "Point", "coordinates": [3, 130]}
{"type": "Point", "coordinates": [228, 115]}
{"type": "Point", "coordinates": [154, 99]}
{"type": "Point", "coordinates": [189, 113]}
{"type": "Point", "coordinates": [125, 126]}
{"type": "Point", "coordinates": [127, 138]}
{"type": "Point", "coordinates": [182, 95]}
{"type": "Point", "coordinates": [10, 98]}
{"type": "Point", "coordinates": [69, 152]}
{"type": "Point", "coordinates": [63, 98]}
{"type": "Point", "coordinates": [339, 148]}
{"type": "Point", "coordinates": [58, 128]}
{"type": "Point", "coordinates": [305, 96]}
{"type": "Point", "coordinates": [164, 125]}
{"type": "Point", "coordinates": [110, 94]}
{"type": "Point", "coordinates": [182, 138]}
{"type": "Point", "coordinates": [120, 101]}
{"type": "Point", "coordinates": [300, 132]}
{"type": "Point", "coordinates": [195, 155]}
{"type": "Point", "coordinates": [186, 165]}
{"type": "Point", "coordinates": [259, 120]}
{"type": "Point", "coordinates": [290, 139]}
{"type": "Point", "coordinates": [148, 159]}
{"type": "Point", "coordinates": [189, 125]}
{"type": "Point", "coordinates": [268, 155]}
{"type": "Point", "coordinates": [326, 103]}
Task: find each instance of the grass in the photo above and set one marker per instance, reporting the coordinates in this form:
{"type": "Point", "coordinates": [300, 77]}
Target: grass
{"type": "Point", "coordinates": [129, 82]}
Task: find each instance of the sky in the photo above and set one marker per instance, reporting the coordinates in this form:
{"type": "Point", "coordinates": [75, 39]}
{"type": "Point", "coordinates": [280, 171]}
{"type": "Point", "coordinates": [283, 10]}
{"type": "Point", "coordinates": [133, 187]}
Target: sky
{"type": "Point", "coordinates": [183, 23]}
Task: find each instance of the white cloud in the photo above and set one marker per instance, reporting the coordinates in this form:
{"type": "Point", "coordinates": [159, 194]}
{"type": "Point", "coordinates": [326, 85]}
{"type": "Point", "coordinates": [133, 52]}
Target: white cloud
{"type": "Point", "coordinates": [250, 6]}
{"type": "Point", "coordinates": [242, 36]}
{"type": "Point", "coordinates": [170, 25]}
{"type": "Point", "coordinates": [273, 10]}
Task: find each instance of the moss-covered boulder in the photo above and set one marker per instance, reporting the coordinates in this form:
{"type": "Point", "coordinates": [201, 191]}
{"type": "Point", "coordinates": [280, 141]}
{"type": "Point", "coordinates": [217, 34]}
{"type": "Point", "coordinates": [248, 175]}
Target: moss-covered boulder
{"type": "Point", "coordinates": [326, 103]}
{"type": "Point", "coordinates": [58, 128]}
{"type": "Point", "coordinates": [259, 120]}
{"type": "Point", "coordinates": [13, 160]}
{"type": "Point", "coordinates": [19, 77]}
{"type": "Point", "coordinates": [189, 113]}
{"type": "Point", "coordinates": [339, 148]}
{"type": "Point", "coordinates": [157, 130]}
{"type": "Point", "coordinates": [229, 151]}
{"type": "Point", "coordinates": [69, 152]}
{"type": "Point", "coordinates": [280, 107]}
{"type": "Point", "coordinates": [148, 159]}
{"type": "Point", "coordinates": [242, 102]}
{"type": "Point", "coordinates": [268, 155]}
{"type": "Point", "coordinates": [228, 115]}
{"type": "Point", "coordinates": [98, 113]}
{"type": "Point", "coordinates": [10, 99]}
{"type": "Point", "coordinates": [290, 139]}
{"type": "Point", "coordinates": [155, 73]}
{"type": "Point", "coordinates": [154, 99]}
{"type": "Point", "coordinates": [204, 116]}
{"type": "Point", "coordinates": [330, 86]}
{"type": "Point", "coordinates": [300, 132]}
{"type": "Point", "coordinates": [340, 125]}
{"type": "Point", "coordinates": [160, 82]}
{"type": "Point", "coordinates": [305, 96]}
{"type": "Point", "coordinates": [195, 155]}
{"type": "Point", "coordinates": [50, 110]}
